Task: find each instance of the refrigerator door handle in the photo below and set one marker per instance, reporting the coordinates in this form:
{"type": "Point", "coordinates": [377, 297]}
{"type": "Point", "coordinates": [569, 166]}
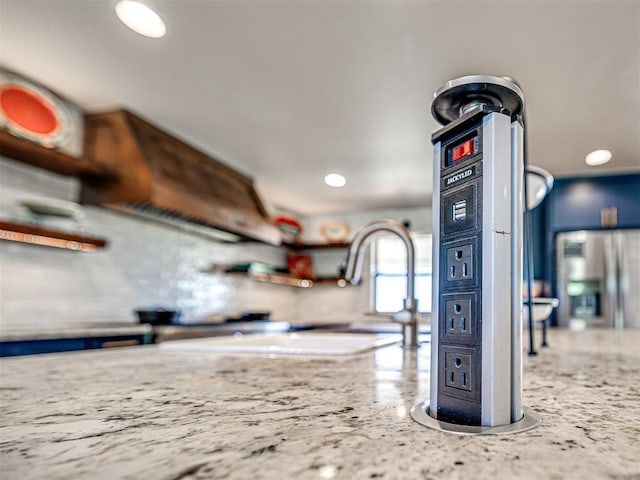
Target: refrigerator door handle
{"type": "Point", "coordinates": [621, 284]}
{"type": "Point", "coordinates": [610, 278]}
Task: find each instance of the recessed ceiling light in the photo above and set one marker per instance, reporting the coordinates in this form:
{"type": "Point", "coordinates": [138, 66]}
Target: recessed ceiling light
{"type": "Point", "coordinates": [141, 19]}
{"type": "Point", "coordinates": [598, 157]}
{"type": "Point", "coordinates": [335, 180]}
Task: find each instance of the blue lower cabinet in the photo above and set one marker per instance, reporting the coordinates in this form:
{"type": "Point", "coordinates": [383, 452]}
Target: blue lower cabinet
{"type": "Point", "coordinates": [31, 347]}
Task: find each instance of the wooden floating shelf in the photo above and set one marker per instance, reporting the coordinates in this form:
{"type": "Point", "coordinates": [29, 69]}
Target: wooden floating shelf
{"type": "Point", "coordinates": [338, 281]}
{"type": "Point", "coordinates": [23, 233]}
{"type": "Point", "coordinates": [316, 246]}
{"type": "Point", "coordinates": [50, 159]}
{"type": "Point", "coordinates": [281, 279]}
{"type": "Point", "coordinates": [288, 280]}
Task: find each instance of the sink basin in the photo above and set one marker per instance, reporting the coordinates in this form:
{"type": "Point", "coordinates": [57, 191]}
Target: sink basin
{"type": "Point", "coordinates": [301, 343]}
{"type": "Point", "coordinates": [542, 308]}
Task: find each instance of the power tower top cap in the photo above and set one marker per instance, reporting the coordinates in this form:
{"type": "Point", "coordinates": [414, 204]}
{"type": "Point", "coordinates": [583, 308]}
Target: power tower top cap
{"type": "Point", "coordinates": [451, 98]}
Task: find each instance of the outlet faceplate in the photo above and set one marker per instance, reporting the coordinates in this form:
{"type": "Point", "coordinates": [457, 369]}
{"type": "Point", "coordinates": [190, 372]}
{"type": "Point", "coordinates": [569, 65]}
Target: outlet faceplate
{"type": "Point", "coordinates": [460, 263]}
{"type": "Point", "coordinates": [459, 317]}
{"type": "Point", "coordinates": [458, 370]}
{"type": "Point", "coordinates": [461, 372]}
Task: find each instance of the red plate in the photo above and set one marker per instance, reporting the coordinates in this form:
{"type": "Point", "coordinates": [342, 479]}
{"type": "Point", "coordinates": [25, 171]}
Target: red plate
{"type": "Point", "coordinates": [32, 113]}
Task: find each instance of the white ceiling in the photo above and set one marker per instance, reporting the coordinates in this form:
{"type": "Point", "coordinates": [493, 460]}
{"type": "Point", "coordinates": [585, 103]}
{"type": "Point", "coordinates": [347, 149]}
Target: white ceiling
{"type": "Point", "coordinates": [288, 91]}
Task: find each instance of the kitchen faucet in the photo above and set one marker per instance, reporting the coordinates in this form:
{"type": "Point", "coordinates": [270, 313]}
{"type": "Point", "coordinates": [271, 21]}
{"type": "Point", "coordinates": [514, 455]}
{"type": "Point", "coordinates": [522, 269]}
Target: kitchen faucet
{"type": "Point", "coordinates": [408, 316]}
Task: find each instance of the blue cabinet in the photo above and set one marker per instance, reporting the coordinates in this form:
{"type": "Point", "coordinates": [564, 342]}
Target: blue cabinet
{"type": "Point", "coordinates": [589, 203]}
{"type": "Point", "coordinates": [624, 197]}
{"type": "Point", "coordinates": [30, 347]}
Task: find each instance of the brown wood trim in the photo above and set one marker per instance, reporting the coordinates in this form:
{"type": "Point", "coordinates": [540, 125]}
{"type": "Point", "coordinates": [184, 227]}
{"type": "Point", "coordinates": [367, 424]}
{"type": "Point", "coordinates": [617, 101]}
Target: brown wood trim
{"type": "Point", "coordinates": [50, 159]}
{"type": "Point", "coordinates": [284, 279]}
{"type": "Point", "coordinates": [20, 232]}
{"type": "Point", "coordinates": [120, 343]}
{"type": "Point", "coordinates": [316, 246]}
{"type": "Point", "coordinates": [337, 281]}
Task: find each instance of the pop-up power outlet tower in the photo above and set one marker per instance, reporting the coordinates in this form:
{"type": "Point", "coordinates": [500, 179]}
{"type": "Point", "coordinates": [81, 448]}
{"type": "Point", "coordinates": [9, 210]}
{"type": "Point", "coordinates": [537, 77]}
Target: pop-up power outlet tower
{"type": "Point", "coordinates": [476, 327]}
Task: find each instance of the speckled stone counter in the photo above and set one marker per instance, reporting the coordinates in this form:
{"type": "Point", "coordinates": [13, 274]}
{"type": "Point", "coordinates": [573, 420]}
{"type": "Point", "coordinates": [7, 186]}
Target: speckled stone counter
{"type": "Point", "coordinates": [147, 413]}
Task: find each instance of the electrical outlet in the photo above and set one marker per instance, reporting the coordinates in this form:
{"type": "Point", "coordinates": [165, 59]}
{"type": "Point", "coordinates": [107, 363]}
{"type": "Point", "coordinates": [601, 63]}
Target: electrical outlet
{"type": "Point", "coordinates": [460, 262]}
{"type": "Point", "coordinates": [458, 370]}
{"type": "Point", "coordinates": [458, 316]}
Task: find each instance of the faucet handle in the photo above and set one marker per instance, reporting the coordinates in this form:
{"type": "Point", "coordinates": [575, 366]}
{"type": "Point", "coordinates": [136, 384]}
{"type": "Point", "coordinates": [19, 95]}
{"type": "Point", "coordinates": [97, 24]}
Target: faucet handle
{"type": "Point", "coordinates": [342, 269]}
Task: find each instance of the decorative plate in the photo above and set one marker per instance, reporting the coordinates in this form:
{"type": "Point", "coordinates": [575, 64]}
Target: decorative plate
{"type": "Point", "coordinates": [33, 113]}
{"type": "Point", "coordinates": [334, 231]}
{"type": "Point", "coordinates": [54, 207]}
{"type": "Point", "coordinates": [288, 224]}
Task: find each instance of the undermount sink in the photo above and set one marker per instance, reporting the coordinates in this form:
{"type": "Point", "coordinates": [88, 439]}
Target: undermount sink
{"type": "Point", "coordinates": [542, 308]}
{"type": "Point", "coordinates": [300, 343]}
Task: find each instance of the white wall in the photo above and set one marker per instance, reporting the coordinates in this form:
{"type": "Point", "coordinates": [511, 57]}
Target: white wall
{"type": "Point", "coordinates": [145, 264]}
{"type": "Point", "coordinates": [148, 264]}
{"type": "Point", "coordinates": [419, 217]}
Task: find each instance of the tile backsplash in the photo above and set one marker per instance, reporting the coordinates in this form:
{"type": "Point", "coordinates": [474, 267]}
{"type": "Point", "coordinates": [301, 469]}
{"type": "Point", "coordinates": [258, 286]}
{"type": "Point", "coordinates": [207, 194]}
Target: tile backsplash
{"type": "Point", "coordinates": [146, 264]}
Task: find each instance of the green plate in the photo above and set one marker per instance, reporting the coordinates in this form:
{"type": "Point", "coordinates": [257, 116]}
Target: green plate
{"type": "Point", "coordinates": [54, 207]}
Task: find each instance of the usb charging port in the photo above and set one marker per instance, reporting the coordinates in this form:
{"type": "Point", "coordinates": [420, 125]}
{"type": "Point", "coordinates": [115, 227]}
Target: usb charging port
{"type": "Point", "coordinates": [459, 211]}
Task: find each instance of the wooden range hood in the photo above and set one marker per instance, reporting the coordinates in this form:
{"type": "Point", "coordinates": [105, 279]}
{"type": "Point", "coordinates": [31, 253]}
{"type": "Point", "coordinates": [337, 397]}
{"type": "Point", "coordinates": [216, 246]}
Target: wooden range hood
{"type": "Point", "coordinates": [159, 176]}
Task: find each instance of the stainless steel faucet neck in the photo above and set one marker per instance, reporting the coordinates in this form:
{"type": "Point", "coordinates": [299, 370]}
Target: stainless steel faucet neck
{"type": "Point", "coordinates": [353, 271]}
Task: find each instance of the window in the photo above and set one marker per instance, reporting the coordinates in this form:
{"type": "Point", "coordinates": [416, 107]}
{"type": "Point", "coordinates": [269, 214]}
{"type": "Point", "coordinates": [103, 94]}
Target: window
{"type": "Point", "coordinates": [389, 267]}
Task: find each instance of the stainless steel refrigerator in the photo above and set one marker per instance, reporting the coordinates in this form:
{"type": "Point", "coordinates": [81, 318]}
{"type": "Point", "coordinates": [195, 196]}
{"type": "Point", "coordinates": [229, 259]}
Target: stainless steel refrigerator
{"type": "Point", "coordinates": [598, 278]}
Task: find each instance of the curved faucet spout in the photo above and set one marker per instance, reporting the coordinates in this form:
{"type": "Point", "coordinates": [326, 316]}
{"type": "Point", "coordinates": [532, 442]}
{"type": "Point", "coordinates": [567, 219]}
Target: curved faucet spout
{"type": "Point", "coordinates": [355, 259]}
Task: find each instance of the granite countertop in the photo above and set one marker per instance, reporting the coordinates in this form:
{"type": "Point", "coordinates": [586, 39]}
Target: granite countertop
{"type": "Point", "coordinates": [144, 412]}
